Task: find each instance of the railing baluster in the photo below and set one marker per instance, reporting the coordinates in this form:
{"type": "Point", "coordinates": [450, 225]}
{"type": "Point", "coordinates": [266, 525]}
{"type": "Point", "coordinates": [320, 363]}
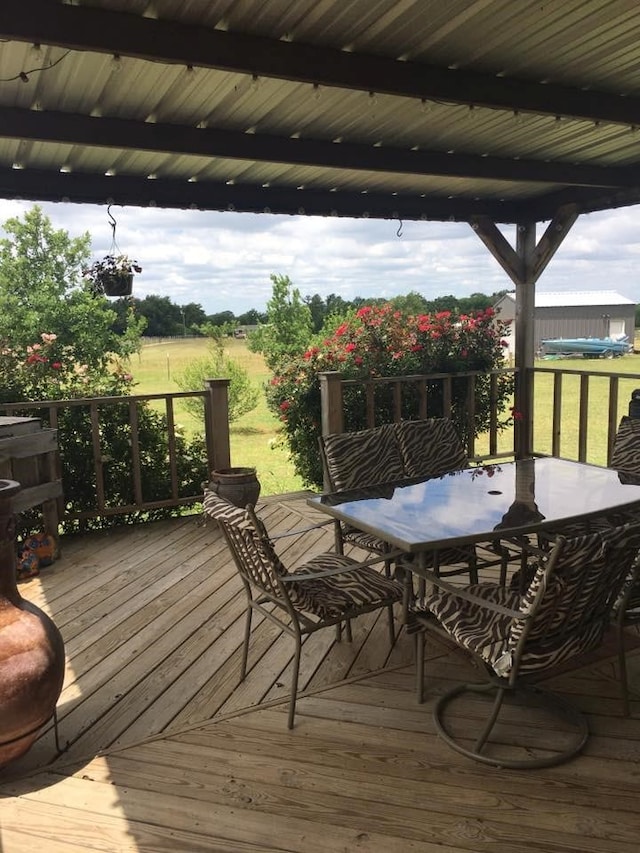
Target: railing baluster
{"type": "Point", "coordinates": [135, 453]}
{"type": "Point", "coordinates": [471, 415]}
{"type": "Point", "coordinates": [171, 440]}
{"type": "Point", "coordinates": [370, 391]}
{"type": "Point", "coordinates": [98, 461]}
{"type": "Point", "coordinates": [397, 400]}
{"type": "Point", "coordinates": [614, 389]}
{"type": "Point", "coordinates": [583, 421]}
{"type": "Point", "coordinates": [557, 415]}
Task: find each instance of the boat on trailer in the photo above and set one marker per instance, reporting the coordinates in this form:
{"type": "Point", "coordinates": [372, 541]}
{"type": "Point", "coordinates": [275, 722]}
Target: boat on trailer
{"type": "Point", "coordinates": [588, 347]}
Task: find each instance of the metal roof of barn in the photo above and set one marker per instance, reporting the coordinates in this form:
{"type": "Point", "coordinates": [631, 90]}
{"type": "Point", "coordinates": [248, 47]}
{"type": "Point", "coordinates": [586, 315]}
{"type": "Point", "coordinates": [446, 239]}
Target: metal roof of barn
{"type": "Point", "coordinates": [404, 109]}
{"type": "Point", "coordinates": [577, 298]}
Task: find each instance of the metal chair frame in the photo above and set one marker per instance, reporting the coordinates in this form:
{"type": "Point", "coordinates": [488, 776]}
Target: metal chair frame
{"type": "Point", "coordinates": [608, 565]}
{"type": "Point", "coordinates": [268, 585]}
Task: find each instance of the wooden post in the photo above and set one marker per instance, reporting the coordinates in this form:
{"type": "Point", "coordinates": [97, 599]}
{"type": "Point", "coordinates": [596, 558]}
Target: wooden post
{"type": "Point", "coordinates": [331, 402]}
{"type": "Point", "coordinates": [525, 344]}
{"type": "Point", "coordinates": [216, 424]}
{"type": "Point", "coordinates": [524, 266]}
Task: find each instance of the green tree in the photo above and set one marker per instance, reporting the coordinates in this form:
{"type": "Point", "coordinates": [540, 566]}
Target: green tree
{"type": "Point", "coordinates": [252, 318]}
{"type": "Point", "coordinates": [318, 309]}
{"type": "Point", "coordinates": [288, 328]}
{"type": "Point", "coordinates": [163, 317]}
{"type": "Point", "coordinates": [193, 315]}
{"type": "Point", "coordinates": [222, 318]}
{"type": "Point", "coordinates": [243, 395]}
{"type": "Point", "coordinates": [42, 290]}
{"type": "Point", "coordinates": [58, 343]}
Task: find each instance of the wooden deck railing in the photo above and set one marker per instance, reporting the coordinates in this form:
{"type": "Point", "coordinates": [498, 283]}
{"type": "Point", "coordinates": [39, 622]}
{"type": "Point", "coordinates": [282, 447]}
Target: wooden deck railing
{"type": "Point", "coordinates": [576, 412]}
{"type": "Point", "coordinates": [434, 395]}
{"type": "Point", "coordinates": [215, 429]}
{"type": "Point", "coordinates": [575, 416]}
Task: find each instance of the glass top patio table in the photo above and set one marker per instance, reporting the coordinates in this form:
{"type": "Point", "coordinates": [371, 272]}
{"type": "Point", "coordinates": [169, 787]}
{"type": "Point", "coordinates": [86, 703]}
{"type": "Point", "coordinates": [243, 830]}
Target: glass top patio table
{"type": "Point", "coordinates": [487, 502]}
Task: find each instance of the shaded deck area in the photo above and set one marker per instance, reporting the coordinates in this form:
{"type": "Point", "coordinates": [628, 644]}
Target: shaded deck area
{"type": "Point", "coordinates": [167, 752]}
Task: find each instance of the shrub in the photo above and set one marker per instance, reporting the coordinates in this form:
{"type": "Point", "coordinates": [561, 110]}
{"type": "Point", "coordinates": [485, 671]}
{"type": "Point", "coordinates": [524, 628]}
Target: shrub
{"type": "Point", "coordinates": [243, 395]}
{"type": "Point", "coordinates": [381, 341]}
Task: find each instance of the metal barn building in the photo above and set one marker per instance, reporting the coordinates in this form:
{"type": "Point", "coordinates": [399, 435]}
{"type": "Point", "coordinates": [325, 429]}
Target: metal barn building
{"type": "Point", "coordinates": [574, 314]}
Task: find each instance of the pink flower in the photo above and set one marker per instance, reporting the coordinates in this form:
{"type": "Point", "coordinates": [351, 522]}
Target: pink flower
{"type": "Point", "coordinates": [56, 365]}
{"type": "Point", "coordinates": [284, 405]}
{"type": "Point", "coordinates": [350, 347]}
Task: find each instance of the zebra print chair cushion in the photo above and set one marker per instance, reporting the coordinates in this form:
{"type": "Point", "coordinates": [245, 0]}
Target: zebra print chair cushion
{"type": "Point", "coordinates": [363, 458]}
{"type": "Point", "coordinates": [626, 449]}
{"type": "Point", "coordinates": [563, 614]}
{"type": "Point", "coordinates": [344, 593]}
{"type": "Point", "coordinates": [430, 448]}
{"type": "Point", "coordinates": [333, 597]}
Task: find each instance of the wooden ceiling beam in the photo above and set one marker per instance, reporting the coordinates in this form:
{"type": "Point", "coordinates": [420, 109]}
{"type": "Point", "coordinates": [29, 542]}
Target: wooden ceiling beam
{"type": "Point", "coordinates": [126, 34]}
{"type": "Point", "coordinates": [75, 129]}
{"type": "Point", "coordinates": [80, 187]}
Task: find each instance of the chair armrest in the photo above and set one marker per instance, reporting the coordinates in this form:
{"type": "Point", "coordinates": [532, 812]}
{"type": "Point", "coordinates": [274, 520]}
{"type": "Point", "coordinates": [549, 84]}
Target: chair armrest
{"type": "Point", "coordinates": [303, 576]}
{"type": "Point", "coordinates": [474, 599]}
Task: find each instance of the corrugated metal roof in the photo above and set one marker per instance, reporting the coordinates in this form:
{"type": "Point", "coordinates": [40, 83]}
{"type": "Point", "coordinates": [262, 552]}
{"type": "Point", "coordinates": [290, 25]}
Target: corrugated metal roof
{"type": "Point", "coordinates": [431, 109]}
{"type": "Point", "coordinates": [562, 299]}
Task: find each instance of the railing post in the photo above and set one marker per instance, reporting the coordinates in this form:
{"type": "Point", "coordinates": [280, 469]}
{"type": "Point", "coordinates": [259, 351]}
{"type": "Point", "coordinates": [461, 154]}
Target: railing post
{"type": "Point", "coordinates": [216, 423]}
{"type": "Point", "coordinates": [331, 402]}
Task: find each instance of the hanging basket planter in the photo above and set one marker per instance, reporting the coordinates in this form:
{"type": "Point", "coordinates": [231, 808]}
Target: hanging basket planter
{"type": "Point", "coordinates": [120, 284]}
{"type": "Point", "coordinates": [112, 275]}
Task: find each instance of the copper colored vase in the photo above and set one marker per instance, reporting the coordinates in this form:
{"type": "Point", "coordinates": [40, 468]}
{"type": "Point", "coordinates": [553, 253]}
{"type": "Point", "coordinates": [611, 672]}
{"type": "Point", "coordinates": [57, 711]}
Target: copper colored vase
{"type": "Point", "coordinates": [31, 650]}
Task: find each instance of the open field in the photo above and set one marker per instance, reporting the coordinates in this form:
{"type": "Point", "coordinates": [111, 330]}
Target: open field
{"type": "Point", "coordinates": [253, 437]}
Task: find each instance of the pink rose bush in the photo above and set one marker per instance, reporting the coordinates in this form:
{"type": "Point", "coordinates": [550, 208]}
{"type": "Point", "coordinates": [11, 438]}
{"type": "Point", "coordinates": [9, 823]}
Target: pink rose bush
{"type": "Point", "coordinates": [381, 341]}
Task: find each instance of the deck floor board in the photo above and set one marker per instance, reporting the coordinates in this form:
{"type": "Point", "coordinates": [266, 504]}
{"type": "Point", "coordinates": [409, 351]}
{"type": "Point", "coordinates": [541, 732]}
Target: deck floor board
{"type": "Point", "coordinates": [169, 752]}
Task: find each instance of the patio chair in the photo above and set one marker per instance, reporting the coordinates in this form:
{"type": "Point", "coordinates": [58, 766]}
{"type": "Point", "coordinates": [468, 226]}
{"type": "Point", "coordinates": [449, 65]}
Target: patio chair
{"type": "Point", "coordinates": [393, 453]}
{"type": "Point", "coordinates": [327, 590]}
{"type": "Point", "coordinates": [523, 638]}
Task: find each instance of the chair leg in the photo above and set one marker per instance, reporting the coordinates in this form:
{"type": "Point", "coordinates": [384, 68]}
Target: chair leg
{"type": "Point", "coordinates": [420, 640]}
{"type": "Point", "coordinates": [553, 704]}
{"type": "Point", "coordinates": [245, 648]}
{"type": "Point", "coordinates": [392, 631]}
{"type": "Point", "coordinates": [294, 681]}
{"type": "Point", "coordinates": [347, 627]}
{"type": "Point", "coordinates": [473, 569]}
{"type": "Point", "coordinates": [622, 665]}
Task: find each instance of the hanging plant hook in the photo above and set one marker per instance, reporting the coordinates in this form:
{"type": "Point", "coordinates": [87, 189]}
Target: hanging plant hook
{"type": "Point", "coordinates": [399, 231]}
{"type": "Point", "coordinates": [113, 222]}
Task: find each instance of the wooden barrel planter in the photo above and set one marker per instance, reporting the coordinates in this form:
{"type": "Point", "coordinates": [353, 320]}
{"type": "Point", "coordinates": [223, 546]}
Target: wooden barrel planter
{"type": "Point", "coordinates": [239, 486]}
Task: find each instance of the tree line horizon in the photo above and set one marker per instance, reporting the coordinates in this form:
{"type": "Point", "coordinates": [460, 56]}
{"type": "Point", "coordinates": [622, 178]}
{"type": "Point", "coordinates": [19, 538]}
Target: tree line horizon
{"type": "Point", "coordinates": [165, 318]}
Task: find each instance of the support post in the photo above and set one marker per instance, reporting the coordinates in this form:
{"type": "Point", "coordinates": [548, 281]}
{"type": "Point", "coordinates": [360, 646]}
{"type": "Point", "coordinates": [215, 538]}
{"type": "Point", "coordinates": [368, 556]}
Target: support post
{"type": "Point", "coordinates": [525, 344]}
{"type": "Point", "coordinates": [524, 266]}
{"type": "Point", "coordinates": [331, 402]}
{"type": "Point", "coordinates": [216, 423]}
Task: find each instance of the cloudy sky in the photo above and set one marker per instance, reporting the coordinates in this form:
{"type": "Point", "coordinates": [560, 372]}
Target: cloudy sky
{"type": "Point", "coordinates": [223, 260]}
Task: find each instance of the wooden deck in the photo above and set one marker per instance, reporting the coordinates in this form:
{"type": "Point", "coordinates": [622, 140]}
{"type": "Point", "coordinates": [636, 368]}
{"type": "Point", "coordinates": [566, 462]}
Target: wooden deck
{"type": "Point", "coordinates": [167, 752]}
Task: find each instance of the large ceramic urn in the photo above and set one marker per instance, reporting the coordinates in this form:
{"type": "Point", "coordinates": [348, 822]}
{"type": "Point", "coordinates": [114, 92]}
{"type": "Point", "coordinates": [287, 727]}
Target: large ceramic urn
{"type": "Point", "coordinates": [31, 650]}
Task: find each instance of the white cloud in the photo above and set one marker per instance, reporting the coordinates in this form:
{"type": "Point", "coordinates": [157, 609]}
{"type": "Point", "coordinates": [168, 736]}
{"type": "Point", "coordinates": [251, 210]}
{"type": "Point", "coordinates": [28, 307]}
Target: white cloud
{"type": "Point", "coordinates": [224, 260]}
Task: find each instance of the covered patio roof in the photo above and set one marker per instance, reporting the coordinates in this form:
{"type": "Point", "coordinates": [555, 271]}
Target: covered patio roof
{"type": "Point", "coordinates": [402, 109]}
{"type": "Point", "coordinates": [484, 111]}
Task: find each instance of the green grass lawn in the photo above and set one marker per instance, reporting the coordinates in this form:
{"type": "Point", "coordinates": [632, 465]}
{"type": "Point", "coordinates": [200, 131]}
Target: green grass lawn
{"type": "Point", "coordinates": [253, 436]}
{"type": "Point", "coordinates": [254, 439]}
